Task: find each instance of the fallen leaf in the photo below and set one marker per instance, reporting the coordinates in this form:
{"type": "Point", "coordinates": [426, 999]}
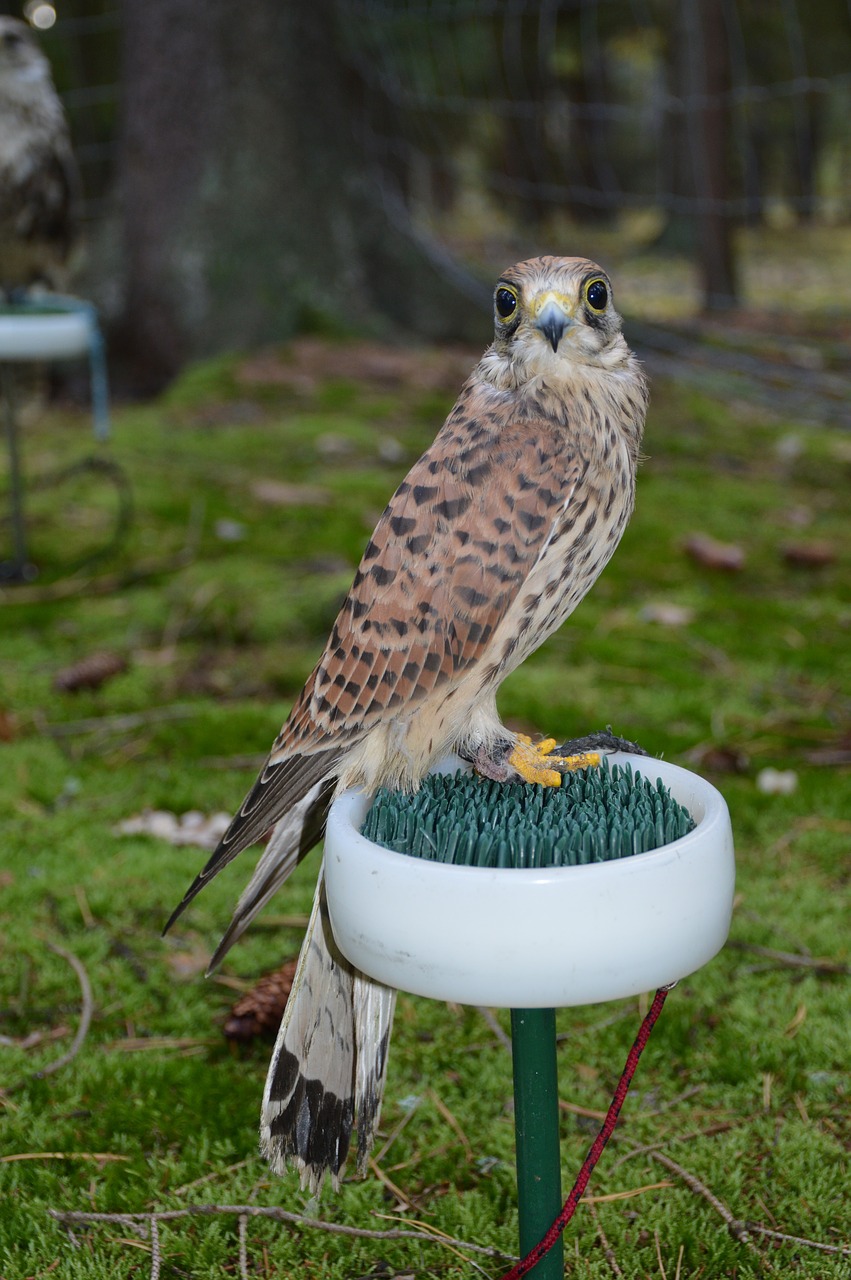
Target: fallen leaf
{"type": "Point", "coordinates": [776, 782]}
{"type": "Point", "coordinates": [667, 614]}
{"type": "Point", "coordinates": [189, 828]}
{"type": "Point", "coordinates": [809, 555]}
{"type": "Point", "coordinates": [90, 672]}
{"type": "Point", "coordinates": [719, 758]}
{"type": "Point", "coordinates": [188, 964]}
{"type": "Point", "coordinates": [712, 554]}
{"type": "Point", "coordinates": [277, 493]}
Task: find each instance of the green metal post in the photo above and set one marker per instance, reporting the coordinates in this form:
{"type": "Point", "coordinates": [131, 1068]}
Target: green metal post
{"type": "Point", "coordinates": [536, 1125]}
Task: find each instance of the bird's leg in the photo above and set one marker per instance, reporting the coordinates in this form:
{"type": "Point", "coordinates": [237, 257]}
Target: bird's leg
{"type": "Point", "coordinates": [525, 760]}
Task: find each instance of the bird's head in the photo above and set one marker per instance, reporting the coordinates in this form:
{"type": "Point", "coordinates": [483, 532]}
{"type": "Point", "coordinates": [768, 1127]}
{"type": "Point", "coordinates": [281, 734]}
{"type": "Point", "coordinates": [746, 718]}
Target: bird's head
{"type": "Point", "coordinates": [552, 312]}
{"type": "Point", "coordinates": [20, 57]}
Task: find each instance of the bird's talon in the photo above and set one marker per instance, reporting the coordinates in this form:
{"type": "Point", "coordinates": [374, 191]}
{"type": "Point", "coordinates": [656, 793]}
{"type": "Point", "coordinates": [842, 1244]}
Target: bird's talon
{"type": "Point", "coordinates": [535, 763]}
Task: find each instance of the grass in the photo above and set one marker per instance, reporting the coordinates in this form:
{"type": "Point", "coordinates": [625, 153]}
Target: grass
{"type": "Point", "coordinates": [745, 1081]}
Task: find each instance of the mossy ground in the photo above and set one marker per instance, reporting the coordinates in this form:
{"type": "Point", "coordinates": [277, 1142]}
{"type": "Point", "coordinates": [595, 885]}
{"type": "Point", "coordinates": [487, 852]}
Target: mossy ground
{"type": "Point", "coordinates": [745, 1081]}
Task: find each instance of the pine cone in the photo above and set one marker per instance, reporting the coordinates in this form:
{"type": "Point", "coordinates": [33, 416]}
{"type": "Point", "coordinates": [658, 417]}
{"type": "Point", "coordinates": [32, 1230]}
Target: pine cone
{"type": "Point", "coordinates": [259, 1011]}
{"type": "Point", "coordinates": [90, 672]}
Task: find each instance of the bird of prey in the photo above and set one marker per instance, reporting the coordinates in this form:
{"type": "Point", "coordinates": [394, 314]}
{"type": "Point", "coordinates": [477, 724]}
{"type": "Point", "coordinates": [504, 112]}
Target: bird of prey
{"type": "Point", "coordinates": [487, 545]}
{"type": "Point", "coordinates": [38, 176]}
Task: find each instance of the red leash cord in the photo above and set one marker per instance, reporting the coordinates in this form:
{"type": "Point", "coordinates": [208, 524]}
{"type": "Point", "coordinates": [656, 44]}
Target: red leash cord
{"type": "Point", "coordinates": [597, 1146]}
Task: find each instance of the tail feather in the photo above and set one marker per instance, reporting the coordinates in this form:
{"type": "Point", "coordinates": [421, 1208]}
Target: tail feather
{"type": "Point", "coordinates": [295, 835]}
{"type": "Point", "coordinates": [278, 788]}
{"type": "Point", "coordinates": [329, 1063]}
{"type": "Point", "coordinates": [373, 1011]}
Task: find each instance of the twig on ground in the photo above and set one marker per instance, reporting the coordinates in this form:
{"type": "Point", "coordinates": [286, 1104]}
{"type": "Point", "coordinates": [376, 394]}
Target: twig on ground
{"type": "Point", "coordinates": [105, 585]}
{"type": "Point", "coordinates": [576, 1109]}
{"type": "Point", "coordinates": [679, 1262]}
{"type": "Point", "coordinates": [738, 1229]}
{"type": "Point", "coordinates": [86, 1012]}
{"type": "Point", "coordinates": [82, 1029]}
{"type": "Point", "coordinates": [210, 1177]}
{"type": "Point", "coordinates": [843, 1250]}
{"type": "Point", "coordinates": [722, 1127]}
{"type": "Point", "coordinates": [491, 1019]}
{"type": "Point", "coordinates": [74, 1218]}
{"type": "Point", "coordinates": [608, 1251]}
{"type": "Point", "coordinates": [249, 763]}
{"type": "Point", "coordinates": [611, 1196]}
{"type": "Point", "coordinates": [391, 1138]}
{"type": "Point", "coordinates": [119, 723]}
{"type": "Point", "coordinates": [390, 1184]}
{"type": "Point", "coordinates": [156, 1255]}
{"type": "Point", "coordinates": [452, 1122]}
{"type": "Point", "coordinates": [101, 1157]}
{"type": "Point", "coordinates": [662, 1270]}
{"type": "Point", "coordinates": [792, 959]}
{"type": "Point", "coordinates": [243, 1247]}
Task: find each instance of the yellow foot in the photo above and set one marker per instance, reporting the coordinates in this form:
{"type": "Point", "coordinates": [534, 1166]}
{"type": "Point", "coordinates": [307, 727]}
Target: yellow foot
{"type": "Point", "coordinates": [535, 762]}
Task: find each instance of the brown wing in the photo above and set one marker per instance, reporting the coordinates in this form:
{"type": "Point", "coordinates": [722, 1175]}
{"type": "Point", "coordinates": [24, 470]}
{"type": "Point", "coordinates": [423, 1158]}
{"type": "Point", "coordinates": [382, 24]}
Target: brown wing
{"type": "Point", "coordinates": [446, 560]}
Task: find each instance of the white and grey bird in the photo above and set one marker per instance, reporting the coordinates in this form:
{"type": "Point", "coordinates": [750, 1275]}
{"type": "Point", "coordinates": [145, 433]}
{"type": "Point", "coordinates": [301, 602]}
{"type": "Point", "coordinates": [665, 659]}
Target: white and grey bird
{"type": "Point", "coordinates": [487, 545]}
{"type": "Point", "coordinates": [39, 182]}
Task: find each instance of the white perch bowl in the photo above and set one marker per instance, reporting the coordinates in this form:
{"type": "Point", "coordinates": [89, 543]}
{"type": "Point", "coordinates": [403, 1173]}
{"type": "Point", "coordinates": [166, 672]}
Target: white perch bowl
{"type": "Point", "coordinates": [543, 938]}
{"type": "Point", "coordinates": [45, 335]}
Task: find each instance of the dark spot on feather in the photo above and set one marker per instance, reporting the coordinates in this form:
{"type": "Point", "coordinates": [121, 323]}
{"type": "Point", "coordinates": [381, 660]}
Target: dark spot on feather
{"type": "Point", "coordinates": [451, 508]}
{"type": "Point", "coordinates": [472, 598]}
{"type": "Point", "coordinates": [424, 493]}
{"type": "Point", "coordinates": [531, 520]}
{"type": "Point", "coordinates": [402, 525]}
{"type": "Point", "coordinates": [483, 545]}
{"type": "Point", "coordinates": [381, 576]}
{"type": "Point", "coordinates": [479, 473]}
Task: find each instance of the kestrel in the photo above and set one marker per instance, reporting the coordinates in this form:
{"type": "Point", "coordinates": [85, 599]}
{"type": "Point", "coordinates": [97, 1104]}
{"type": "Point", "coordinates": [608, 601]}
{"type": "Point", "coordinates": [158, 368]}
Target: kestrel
{"type": "Point", "coordinates": [39, 182]}
{"type": "Point", "coordinates": [487, 545]}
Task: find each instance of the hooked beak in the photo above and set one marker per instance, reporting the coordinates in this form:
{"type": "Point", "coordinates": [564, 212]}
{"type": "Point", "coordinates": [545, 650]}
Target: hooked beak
{"type": "Point", "coordinates": [553, 319]}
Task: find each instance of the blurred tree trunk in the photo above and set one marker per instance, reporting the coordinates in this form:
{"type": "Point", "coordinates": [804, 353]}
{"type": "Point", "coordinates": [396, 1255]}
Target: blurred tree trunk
{"type": "Point", "coordinates": [705, 52]}
{"type": "Point", "coordinates": [696, 149]}
{"type": "Point", "coordinates": [248, 213]}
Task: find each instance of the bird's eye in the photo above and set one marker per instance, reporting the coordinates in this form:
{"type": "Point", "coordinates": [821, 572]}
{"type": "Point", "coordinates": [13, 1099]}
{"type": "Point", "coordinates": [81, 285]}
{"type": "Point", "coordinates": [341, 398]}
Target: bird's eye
{"type": "Point", "coordinates": [597, 295]}
{"type": "Point", "coordinates": [505, 302]}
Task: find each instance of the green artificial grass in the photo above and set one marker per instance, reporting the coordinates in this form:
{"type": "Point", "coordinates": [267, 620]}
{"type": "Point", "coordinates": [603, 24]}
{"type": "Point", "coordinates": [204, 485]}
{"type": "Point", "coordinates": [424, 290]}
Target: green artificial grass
{"type": "Point", "coordinates": [219, 601]}
{"type": "Point", "coordinates": [598, 814]}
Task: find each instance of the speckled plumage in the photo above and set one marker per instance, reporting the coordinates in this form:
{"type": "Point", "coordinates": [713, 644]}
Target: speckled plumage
{"type": "Point", "coordinates": [39, 182]}
{"type": "Point", "coordinates": [488, 544]}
